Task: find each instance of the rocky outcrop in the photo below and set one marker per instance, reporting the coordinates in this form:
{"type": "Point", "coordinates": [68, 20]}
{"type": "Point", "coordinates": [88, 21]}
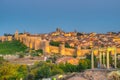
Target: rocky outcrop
{"type": "Point", "coordinates": [95, 75]}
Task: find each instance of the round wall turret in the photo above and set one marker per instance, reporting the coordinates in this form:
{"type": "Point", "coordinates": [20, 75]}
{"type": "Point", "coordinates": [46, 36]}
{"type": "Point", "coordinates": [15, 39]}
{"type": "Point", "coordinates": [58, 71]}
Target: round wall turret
{"type": "Point", "coordinates": [62, 49]}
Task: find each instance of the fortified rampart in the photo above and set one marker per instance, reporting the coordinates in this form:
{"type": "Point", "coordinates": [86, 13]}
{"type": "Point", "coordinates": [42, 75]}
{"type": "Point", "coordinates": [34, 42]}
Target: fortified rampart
{"type": "Point", "coordinates": [35, 42]}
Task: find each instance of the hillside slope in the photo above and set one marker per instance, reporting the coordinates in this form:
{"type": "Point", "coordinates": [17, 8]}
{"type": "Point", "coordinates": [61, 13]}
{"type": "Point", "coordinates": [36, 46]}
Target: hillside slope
{"type": "Point", "coordinates": [11, 47]}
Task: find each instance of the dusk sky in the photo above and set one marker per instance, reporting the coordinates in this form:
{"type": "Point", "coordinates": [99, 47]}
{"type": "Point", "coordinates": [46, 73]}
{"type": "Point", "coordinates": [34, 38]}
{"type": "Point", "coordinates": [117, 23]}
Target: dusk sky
{"type": "Point", "coordinates": [44, 16]}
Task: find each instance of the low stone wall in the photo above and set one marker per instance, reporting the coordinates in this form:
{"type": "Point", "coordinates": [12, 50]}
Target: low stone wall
{"type": "Point", "coordinates": [9, 57]}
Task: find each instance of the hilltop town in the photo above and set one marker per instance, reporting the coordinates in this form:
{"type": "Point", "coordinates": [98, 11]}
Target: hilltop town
{"type": "Point", "coordinates": [66, 52]}
{"type": "Point", "coordinates": [69, 39]}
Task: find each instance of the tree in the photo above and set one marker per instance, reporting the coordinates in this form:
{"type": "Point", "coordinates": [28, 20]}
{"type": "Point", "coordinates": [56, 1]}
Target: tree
{"type": "Point", "coordinates": [88, 57]}
{"type": "Point", "coordinates": [67, 45]}
{"type": "Point", "coordinates": [79, 34]}
{"type": "Point", "coordinates": [45, 70]}
{"type": "Point", "coordinates": [22, 71]}
{"type": "Point", "coordinates": [30, 77]}
{"type": "Point", "coordinates": [67, 67]}
{"type": "Point", "coordinates": [2, 60]}
{"type": "Point", "coordinates": [12, 71]}
{"type": "Point", "coordinates": [83, 64]}
{"type": "Point", "coordinates": [54, 43]}
{"type": "Point", "coordinates": [8, 34]}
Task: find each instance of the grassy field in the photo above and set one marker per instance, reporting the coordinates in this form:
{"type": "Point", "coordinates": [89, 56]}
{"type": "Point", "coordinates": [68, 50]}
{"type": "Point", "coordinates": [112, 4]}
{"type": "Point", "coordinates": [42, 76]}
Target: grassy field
{"type": "Point", "coordinates": [11, 47]}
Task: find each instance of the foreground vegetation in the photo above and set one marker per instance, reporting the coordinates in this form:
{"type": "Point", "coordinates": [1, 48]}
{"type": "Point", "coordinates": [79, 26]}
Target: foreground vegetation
{"type": "Point", "coordinates": [39, 70]}
{"type": "Point", "coordinates": [9, 71]}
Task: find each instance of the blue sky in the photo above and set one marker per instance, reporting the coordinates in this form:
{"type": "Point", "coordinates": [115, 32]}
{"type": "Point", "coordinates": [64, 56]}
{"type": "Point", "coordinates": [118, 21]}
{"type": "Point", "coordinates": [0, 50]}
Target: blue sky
{"type": "Point", "coordinates": [43, 16]}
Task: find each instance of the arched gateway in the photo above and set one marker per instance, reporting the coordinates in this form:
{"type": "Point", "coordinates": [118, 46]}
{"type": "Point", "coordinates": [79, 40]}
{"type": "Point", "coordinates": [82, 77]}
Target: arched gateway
{"type": "Point", "coordinates": [104, 53]}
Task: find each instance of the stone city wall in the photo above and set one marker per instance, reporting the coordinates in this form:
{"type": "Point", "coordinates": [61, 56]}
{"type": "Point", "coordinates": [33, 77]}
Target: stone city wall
{"type": "Point", "coordinates": [35, 42]}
